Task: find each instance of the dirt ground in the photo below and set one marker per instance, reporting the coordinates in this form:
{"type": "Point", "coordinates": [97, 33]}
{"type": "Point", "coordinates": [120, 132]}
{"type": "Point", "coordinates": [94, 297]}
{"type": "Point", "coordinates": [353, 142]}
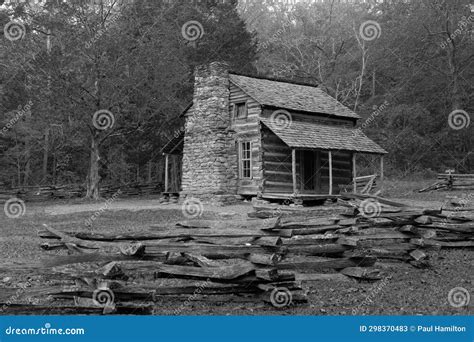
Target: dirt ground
{"type": "Point", "coordinates": [407, 290]}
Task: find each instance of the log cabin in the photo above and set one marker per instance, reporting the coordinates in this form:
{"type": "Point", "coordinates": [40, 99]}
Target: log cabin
{"type": "Point", "coordinates": [252, 136]}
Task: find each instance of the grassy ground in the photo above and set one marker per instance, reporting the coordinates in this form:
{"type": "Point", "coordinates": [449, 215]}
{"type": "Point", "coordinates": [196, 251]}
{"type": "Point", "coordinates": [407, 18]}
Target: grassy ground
{"type": "Point", "coordinates": [407, 291]}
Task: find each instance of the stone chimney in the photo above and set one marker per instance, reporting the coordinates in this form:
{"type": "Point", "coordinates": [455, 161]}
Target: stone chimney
{"type": "Point", "coordinates": [209, 154]}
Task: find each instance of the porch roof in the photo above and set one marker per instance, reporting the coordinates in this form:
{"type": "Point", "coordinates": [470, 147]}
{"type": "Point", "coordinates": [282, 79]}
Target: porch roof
{"type": "Point", "coordinates": [175, 145]}
{"type": "Point", "coordinates": [307, 135]}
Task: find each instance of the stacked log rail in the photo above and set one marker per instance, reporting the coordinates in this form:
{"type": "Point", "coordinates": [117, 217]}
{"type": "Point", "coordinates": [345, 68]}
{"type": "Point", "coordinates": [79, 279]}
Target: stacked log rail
{"type": "Point", "coordinates": [265, 258]}
{"type": "Point", "coordinates": [391, 232]}
{"type": "Point", "coordinates": [220, 264]}
{"type": "Point", "coordinates": [54, 192]}
{"type": "Point", "coordinates": [446, 181]}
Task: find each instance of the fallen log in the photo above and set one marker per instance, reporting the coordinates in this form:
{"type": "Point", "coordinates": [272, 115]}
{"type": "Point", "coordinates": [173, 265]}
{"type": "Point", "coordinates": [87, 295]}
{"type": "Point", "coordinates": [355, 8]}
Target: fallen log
{"type": "Point", "coordinates": [175, 233]}
{"type": "Point", "coordinates": [319, 264]}
{"type": "Point", "coordinates": [175, 258]}
{"type": "Point", "coordinates": [205, 249]}
{"type": "Point", "coordinates": [48, 309]}
{"type": "Point", "coordinates": [264, 259]}
{"type": "Point", "coordinates": [226, 225]}
{"type": "Point", "coordinates": [310, 222]}
{"type": "Point", "coordinates": [310, 231]}
{"type": "Point", "coordinates": [98, 257]}
{"type": "Point", "coordinates": [379, 199]}
{"type": "Point", "coordinates": [316, 277]}
{"type": "Point", "coordinates": [81, 238]}
{"type": "Point", "coordinates": [226, 272]}
{"type": "Point", "coordinates": [461, 228]}
{"type": "Point", "coordinates": [310, 239]}
{"type": "Point", "coordinates": [150, 292]}
{"type": "Point", "coordinates": [326, 249]}
{"type": "Point", "coordinates": [201, 261]}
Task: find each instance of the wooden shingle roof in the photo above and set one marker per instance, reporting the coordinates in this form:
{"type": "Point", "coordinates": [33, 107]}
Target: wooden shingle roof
{"type": "Point", "coordinates": [291, 96]}
{"type": "Point", "coordinates": [175, 145]}
{"type": "Point", "coordinates": [297, 134]}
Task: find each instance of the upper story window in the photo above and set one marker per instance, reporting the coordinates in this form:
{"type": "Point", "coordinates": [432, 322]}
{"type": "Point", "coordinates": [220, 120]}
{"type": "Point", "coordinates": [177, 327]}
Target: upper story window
{"type": "Point", "coordinates": [240, 110]}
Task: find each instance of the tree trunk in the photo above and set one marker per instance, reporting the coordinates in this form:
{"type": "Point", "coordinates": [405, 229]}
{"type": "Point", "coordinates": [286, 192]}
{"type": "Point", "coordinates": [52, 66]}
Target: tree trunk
{"type": "Point", "coordinates": [93, 176]}
{"type": "Point", "coordinates": [456, 95]}
{"type": "Point", "coordinates": [45, 154]}
{"type": "Point", "coordinates": [150, 166]}
{"type": "Point", "coordinates": [360, 79]}
{"type": "Point", "coordinates": [373, 83]}
{"type": "Point", "coordinates": [26, 177]}
{"type": "Point", "coordinates": [54, 168]}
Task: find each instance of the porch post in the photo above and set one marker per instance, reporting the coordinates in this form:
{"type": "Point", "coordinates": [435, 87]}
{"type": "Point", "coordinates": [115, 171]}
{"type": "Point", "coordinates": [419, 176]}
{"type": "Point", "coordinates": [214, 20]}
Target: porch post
{"type": "Point", "coordinates": [381, 170]}
{"type": "Point", "coordinates": [330, 172]}
{"type": "Point", "coordinates": [166, 173]}
{"type": "Point", "coordinates": [354, 175]}
{"type": "Point", "coordinates": [293, 169]}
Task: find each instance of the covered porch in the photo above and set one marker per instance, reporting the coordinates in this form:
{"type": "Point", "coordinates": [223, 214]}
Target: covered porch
{"type": "Point", "coordinates": [173, 154]}
{"type": "Point", "coordinates": [311, 161]}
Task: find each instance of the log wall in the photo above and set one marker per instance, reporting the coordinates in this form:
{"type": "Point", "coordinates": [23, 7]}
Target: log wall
{"type": "Point", "coordinates": [247, 130]}
{"type": "Point", "coordinates": [313, 118]}
{"type": "Point", "coordinates": [277, 164]}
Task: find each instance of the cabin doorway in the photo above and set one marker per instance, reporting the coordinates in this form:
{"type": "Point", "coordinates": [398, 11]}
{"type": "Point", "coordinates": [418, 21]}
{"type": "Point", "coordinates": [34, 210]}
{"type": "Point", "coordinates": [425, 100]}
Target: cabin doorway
{"type": "Point", "coordinates": [310, 171]}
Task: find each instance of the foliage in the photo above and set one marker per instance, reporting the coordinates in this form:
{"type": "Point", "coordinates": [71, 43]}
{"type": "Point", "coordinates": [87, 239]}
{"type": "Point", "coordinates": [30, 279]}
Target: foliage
{"type": "Point", "coordinates": [130, 58]}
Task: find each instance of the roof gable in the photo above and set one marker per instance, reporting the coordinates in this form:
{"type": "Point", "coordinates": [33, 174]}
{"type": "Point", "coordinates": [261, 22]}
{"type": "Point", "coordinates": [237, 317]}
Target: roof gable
{"type": "Point", "coordinates": [291, 96]}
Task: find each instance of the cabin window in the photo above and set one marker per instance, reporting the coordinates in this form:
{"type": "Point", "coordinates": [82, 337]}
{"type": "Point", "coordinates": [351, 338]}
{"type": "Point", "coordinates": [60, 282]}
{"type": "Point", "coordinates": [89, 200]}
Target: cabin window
{"type": "Point", "coordinates": [245, 155]}
{"type": "Point", "coordinates": [240, 110]}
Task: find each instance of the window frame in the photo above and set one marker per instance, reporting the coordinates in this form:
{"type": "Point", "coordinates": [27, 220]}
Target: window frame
{"type": "Point", "coordinates": [243, 158]}
{"type": "Point", "coordinates": [236, 110]}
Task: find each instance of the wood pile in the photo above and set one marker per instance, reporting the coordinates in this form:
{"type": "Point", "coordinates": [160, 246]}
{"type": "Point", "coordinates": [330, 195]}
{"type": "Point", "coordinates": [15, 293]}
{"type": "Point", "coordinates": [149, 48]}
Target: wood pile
{"type": "Point", "coordinates": [449, 181]}
{"type": "Point", "coordinates": [267, 258]}
{"type": "Point", "coordinates": [54, 192]}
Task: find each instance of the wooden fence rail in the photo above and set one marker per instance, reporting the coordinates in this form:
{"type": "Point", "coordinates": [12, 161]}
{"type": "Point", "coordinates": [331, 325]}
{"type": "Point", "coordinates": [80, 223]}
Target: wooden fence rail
{"type": "Point", "coordinates": [48, 192]}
